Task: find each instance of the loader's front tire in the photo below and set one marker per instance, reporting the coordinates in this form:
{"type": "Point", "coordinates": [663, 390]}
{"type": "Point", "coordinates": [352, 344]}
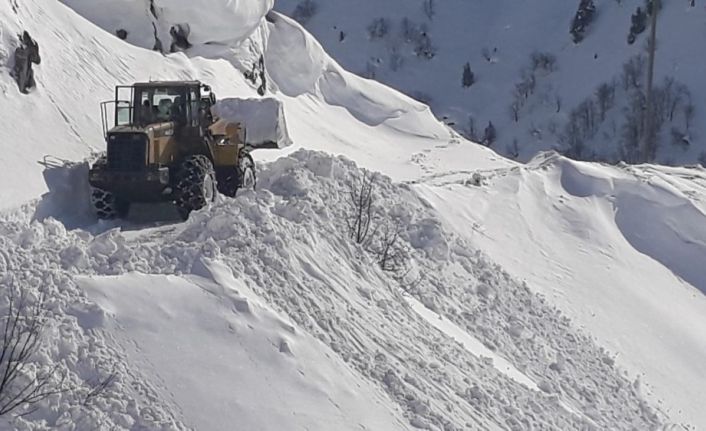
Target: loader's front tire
{"type": "Point", "coordinates": [231, 179]}
{"type": "Point", "coordinates": [107, 206]}
{"type": "Point", "coordinates": [247, 178]}
{"type": "Point", "coordinates": [194, 185]}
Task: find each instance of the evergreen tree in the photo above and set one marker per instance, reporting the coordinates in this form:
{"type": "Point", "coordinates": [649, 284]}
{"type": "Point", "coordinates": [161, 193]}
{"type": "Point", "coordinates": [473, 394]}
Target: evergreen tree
{"type": "Point", "coordinates": [584, 16]}
{"type": "Point", "coordinates": [638, 24]}
{"type": "Point", "coordinates": [468, 77]}
{"type": "Point", "coordinates": [489, 134]}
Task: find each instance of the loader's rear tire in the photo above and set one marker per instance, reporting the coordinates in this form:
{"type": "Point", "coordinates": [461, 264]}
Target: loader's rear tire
{"type": "Point", "coordinates": [107, 206]}
{"type": "Point", "coordinates": [231, 179]}
{"type": "Point", "coordinates": [194, 185]}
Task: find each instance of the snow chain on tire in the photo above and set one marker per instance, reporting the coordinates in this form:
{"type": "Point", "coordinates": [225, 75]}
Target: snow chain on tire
{"type": "Point", "coordinates": [231, 179]}
{"type": "Point", "coordinates": [194, 185]}
{"type": "Point", "coordinates": [247, 179]}
{"type": "Point", "coordinates": [106, 205]}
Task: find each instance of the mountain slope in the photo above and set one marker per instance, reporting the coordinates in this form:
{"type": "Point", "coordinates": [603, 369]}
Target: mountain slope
{"type": "Point", "coordinates": [66, 102]}
{"type": "Point", "coordinates": [392, 41]}
{"type": "Point", "coordinates": [450, 341]}
{"type": "Point", "coordinates": [276, 247]}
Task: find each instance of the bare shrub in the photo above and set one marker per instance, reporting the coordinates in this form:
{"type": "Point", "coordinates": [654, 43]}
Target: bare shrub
{"type": "Point", "coordinates": [21, 387]}
{"type": "Point", "coordinates": [379, 28]}
{"type": "Point", "coordinates": [98, 387]}
{"type": "Point", "coordinates": [362, 200]}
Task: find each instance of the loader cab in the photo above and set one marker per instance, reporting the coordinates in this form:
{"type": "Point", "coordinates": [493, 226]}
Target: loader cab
{"type": "Point", "coordinates": [186, 104]}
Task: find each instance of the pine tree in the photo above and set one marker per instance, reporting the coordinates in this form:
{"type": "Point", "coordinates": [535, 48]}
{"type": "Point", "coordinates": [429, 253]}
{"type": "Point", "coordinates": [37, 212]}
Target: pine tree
{"type": "Point", "coordinates": [489, 134]}
{"type": "Point", "coordinates": [584, 16]}
{"type": "Point", "coordinates": [468, 77]}
{"type": "Point", "coordinates": [638, 24]}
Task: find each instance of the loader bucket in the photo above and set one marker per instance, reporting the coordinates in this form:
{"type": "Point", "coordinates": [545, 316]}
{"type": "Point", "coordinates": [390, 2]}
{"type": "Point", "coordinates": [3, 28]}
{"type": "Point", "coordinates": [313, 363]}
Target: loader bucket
{"type": "Point", "coordinates": [263, 119]}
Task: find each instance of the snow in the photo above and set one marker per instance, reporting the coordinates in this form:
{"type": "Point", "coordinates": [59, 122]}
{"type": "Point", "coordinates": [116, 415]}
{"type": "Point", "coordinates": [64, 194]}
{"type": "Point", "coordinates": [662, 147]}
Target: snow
{"type": "Point", "coordinates": [248, 367]}
{"type": "Point", "coordinates": [264, 260]}
{"type": "Point", "coordinates": [471, 343]}
{"type": "Point", "coordinates": [509, 32]}
{"type": "Point", "coordinates": [263, 119]}
{"type": "Point", "coordinates": [579, 280]}
{"type": "Point", "coordinates": [216, 21]}
{"type": "Point", "coordinates": [613, 248]}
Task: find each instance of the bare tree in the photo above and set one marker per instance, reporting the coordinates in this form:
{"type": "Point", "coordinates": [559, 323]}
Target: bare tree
{"type": "Point", "coordinates": [98, 387]}
{"type": "Point", "coordinates": [362, 199]}
{"type": "Point", "coordinates": [689, 111]}
{"type": "Point", "coordinates": [633, 128]}
{"type": "Point", "coordinates": [379, 28]}
{"type": "Point", "coordinates": [633, 72]}
{"type": "Point", "coordinates": [649, 144]}
{"type": "Point", "coordinates": [515, 108]}
{"type": "Point", "coordinates": [605, 95]}
{"type": "Point", "coordinates": [390, 256]}
{"type": "Point", "coordinates": [429, 8]}
{"type": "Point", "coordinates": [21, 337]}
{"type": "Point", "coordinates": [543, 61]}
{"type": "Point", "coordinates": [471, 131]}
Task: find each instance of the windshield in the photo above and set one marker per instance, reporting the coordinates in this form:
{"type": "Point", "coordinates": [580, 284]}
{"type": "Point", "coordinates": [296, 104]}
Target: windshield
{"type": "Point", "coordinates": [157, 105]}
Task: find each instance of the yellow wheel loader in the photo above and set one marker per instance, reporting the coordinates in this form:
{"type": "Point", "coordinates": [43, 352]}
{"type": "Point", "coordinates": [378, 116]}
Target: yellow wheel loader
{"type": "Point", "coordinates": [164, 144]}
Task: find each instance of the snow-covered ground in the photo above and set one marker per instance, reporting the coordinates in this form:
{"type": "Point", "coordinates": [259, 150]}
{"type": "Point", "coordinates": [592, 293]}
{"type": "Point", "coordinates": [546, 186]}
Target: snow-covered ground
{"type": "Point", "coordinates": [556, 295]}
{"type": "Point", "coordinates": [616, 248]}
{"type": "Point", "coordinates": [204, 305]}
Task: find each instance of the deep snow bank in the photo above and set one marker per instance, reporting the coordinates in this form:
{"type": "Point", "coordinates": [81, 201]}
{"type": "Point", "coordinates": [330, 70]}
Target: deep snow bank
{"type": "Point", "coordinates": [299, 65]}
{"type": "Point", "coordinates": [216, 20]}
{"type": "Point", "coordinates": [208, 21]}
{"type": "Point", "coordinates": [281, 244]}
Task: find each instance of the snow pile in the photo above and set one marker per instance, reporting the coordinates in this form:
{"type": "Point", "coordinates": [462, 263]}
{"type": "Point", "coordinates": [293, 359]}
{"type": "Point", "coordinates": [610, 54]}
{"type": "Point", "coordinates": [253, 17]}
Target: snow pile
{"type": "Point", "coordinates": [276, 247]}
{"type": "Point", "coordinates": [299, 65]}
{"type": "Point", "coordinates": [263, 119]}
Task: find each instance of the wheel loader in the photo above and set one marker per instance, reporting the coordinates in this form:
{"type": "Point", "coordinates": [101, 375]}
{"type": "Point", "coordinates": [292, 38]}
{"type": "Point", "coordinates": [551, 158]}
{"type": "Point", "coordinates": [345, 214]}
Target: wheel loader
{"type": "Point", "coordinates": [165, 144]}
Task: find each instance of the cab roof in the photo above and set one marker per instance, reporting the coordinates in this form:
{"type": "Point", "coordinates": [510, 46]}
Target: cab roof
{"type": "Point", "coordinates": [153, 84]}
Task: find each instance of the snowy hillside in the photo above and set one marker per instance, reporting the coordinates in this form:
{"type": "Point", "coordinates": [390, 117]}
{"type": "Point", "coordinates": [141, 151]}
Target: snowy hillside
{"type": "Point", "coordinates": [529, 77]}
{"type": "Point", "coordinates": [72, 83]}
{"type": "Point", "coordinates": [275, 247]}
{"type": "Point", "coordinates": [556, 295]}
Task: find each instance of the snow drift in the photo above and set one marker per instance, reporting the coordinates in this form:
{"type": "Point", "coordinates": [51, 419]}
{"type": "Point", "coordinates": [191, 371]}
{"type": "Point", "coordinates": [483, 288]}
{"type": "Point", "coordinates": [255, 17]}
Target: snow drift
{"type": "Point", "coordinates": [614, 247]}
